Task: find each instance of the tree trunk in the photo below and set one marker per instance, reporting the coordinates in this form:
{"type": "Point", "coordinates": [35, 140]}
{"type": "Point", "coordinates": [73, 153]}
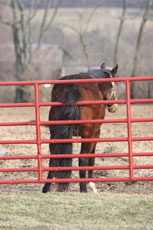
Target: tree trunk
{"type": "Point", "coordinates": [138, 46]}
{"type": "Point", "coordinates": [119, 32]}
{"type": "Point", "coordinates": [18, 52]}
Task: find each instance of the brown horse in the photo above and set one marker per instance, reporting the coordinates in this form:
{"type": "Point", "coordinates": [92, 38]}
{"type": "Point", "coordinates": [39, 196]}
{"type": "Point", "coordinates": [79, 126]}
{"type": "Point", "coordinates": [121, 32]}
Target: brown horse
{"type": "Point", "coordinates": [70, 94]}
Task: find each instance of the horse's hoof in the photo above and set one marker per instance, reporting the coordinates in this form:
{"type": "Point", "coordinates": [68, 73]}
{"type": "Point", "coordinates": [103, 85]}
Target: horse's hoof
{"type": "Point", "coordinates": [83, 191]}
{"type": "Point", "coordinates": [44, 190]}
{"type": "Point", "coordinates": [92, 187]}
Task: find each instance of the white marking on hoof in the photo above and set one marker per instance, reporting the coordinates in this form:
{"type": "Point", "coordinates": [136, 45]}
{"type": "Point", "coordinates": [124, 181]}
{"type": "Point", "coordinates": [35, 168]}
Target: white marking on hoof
{"type": "Point", "coordinates": [92, 187]}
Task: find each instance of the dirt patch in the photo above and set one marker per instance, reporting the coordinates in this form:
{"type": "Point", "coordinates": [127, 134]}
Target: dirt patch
{"type": "Point", "coordinates": [144, 129]}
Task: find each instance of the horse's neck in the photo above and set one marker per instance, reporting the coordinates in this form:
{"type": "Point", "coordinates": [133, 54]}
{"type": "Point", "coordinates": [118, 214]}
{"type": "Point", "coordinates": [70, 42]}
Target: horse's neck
{"type": "Point", "coordinates": [103, 88]}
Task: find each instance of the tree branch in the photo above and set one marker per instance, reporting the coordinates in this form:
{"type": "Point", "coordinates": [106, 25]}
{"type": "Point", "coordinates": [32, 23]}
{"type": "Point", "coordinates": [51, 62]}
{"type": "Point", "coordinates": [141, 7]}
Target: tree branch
{"type": "Point", "coordinates": [43, 25]}
{"type": "Point", "coordinates": [53, 16]}
{"type": "Point", "coordinates": [33, 10]}
{"type": "Point", "coordinates": [122, 19]}
{"type": "Point", "coordinates": [23, 33]}
{"type": "Point", "coordinates": [90, 18]}
{"type": "Point", "coordinates": [5, 21]}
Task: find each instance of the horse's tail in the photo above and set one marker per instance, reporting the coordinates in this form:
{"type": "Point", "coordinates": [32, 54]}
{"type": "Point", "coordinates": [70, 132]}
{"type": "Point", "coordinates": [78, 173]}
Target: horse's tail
{"type": "Point", "coordinates": [66, 112]}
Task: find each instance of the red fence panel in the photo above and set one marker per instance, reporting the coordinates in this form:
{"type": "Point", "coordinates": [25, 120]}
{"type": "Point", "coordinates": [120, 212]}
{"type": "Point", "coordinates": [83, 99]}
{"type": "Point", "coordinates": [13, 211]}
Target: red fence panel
{"type": "Point", "coordinates": [39, 141]}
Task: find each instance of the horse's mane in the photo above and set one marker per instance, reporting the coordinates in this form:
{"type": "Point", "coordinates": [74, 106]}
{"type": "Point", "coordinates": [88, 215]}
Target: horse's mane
{"type": "Point", "coordinates": [94, 73]}
{"type": "Point", "coordinates": [98, 73]}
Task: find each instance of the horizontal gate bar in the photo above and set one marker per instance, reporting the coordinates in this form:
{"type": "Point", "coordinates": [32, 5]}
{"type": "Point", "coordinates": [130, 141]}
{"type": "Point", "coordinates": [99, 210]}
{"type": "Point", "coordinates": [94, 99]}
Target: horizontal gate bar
{"type": "Point", "coordinates": [18, 169]}
{"type": "Point", "coordinates": [69, 180]}
{"type": "Point", "coordinates": [113, 179]}
{"type": "Point", "coordinates": [95, 155]}
{"type": "Point", "coordinates": [63, 122]}
{"type": "Point", "coordinates": [5, 105]}
{"type": "Point", "coordinates": [148, 78]}
{"type": "Point", "coordinates": [75, 156]}
{"type": "Point", "coordinates": [76, 168]}
{"type": "Point", "coordinates": [117, 167]}
{"type": "Point", "coordinates": [19, 157]}
{"type": "Point", "coordinates": [18, 142]}
{"type": "Point", "coordinates": [135, 101]}
{"type": "Point", "coordinates": [84, 140]}
{"type": "Point", "coordinates": [19, 181]}
{"type": "Point", "coordinates": [18, 123]}
{"type": "Point", "coordinates": [76, 140]}
{"type": "Point", "coordinates": [98, 102]}
{"type": "Point", "coordinates": [132, 101]}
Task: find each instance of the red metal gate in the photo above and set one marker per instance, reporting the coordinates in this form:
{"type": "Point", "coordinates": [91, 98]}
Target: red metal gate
{"type": "Point", "coordinates": [39, 141]}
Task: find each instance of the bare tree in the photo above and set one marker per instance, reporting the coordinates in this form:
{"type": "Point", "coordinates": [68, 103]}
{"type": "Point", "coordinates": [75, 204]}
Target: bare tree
{"type": "Point", "coordinates": [21, 25]}
{"type": "Point", "coordinates": [81, 31]}
{"type": "Point", "coordinates": [122, 19]}
{"type": "Point", "coordinates": [138, 44]}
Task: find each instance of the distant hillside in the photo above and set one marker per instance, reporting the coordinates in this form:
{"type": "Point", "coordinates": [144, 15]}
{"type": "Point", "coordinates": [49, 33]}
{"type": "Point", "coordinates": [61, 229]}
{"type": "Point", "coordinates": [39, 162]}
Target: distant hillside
{"type": "Point", "coordinates": [94, 3]}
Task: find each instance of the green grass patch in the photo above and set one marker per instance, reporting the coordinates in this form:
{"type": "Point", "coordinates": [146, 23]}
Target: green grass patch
{"type": "Point", "coordinates": [72, 211]}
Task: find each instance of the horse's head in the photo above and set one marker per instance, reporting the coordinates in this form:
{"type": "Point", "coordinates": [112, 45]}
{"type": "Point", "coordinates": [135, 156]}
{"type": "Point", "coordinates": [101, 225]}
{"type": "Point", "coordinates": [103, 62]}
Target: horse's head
{"type": "Point", "coordinates": [109, 88]}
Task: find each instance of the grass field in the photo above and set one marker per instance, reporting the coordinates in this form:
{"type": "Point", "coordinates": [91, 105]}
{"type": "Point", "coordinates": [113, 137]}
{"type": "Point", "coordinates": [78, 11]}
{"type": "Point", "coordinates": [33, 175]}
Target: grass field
{"type": "Point", "coordinates": [59, 211]}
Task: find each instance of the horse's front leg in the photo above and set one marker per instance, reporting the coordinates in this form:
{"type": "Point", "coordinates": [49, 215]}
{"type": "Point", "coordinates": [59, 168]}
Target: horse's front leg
{"type": "Point", "coordinates": [83, 162]}
{"type": "Point", "coordinates": [90, 172]}
{"type": "Point", "coordinates": [92, 159]}
{"type": "Point", "coordinates": [85, 148]}
{"type": "Point", "coordinates": [88, 132]}
{"type": "Point", "coordinates": [92, 162]}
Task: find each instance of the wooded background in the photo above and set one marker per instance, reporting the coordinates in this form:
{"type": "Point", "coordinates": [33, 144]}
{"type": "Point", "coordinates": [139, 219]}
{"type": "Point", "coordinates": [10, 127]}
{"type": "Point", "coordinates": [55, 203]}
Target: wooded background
{"type": "Point", "coordinates": [46, 39]}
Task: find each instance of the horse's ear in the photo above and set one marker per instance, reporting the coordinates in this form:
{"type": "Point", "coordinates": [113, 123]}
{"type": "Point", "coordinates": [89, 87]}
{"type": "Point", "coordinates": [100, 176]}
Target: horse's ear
{"type": "Point", "coordinates": [103, 66]}
{"type": "Point", "coordinates": [114, 70]}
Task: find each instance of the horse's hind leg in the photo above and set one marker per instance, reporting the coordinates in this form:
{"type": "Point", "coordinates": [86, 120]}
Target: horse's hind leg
{"type": "Point", "coordinates": [46, 187]}
{"type": "Point", "coordinates": [83, 162]}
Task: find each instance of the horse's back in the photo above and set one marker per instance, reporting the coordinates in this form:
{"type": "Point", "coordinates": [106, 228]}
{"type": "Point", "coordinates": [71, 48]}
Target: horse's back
{"type": "Point", "coordinates": [81, 91]}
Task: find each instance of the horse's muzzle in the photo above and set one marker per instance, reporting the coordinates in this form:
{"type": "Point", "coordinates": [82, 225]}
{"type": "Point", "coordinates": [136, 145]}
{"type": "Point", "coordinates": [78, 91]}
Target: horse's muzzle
{"type": "Point", "coordinates": [112, 108]}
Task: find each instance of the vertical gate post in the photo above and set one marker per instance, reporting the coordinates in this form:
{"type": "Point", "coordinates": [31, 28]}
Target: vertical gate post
{"type": "Point", "coordinates": [37, 116]}
{"type": "Point", "coordinates": [129, 130]}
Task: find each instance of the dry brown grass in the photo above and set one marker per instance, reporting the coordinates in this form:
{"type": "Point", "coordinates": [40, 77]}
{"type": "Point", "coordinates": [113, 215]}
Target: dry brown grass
{"type": "Point", "coordinates": [108, 130]}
